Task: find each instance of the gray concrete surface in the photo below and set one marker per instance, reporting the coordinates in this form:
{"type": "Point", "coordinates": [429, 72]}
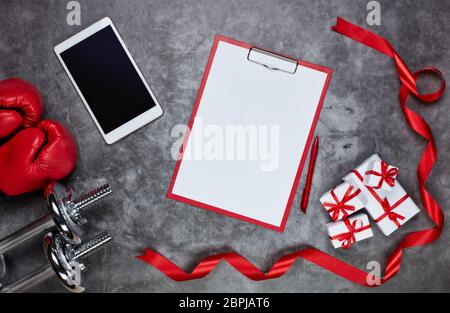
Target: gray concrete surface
{"type": "Point", "coordinates": [170, 41]}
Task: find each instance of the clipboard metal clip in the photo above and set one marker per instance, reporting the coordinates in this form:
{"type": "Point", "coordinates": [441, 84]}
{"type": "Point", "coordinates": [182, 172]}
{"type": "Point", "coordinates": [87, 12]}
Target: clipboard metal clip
{"type": "Point", "coordinates": [272, 61]}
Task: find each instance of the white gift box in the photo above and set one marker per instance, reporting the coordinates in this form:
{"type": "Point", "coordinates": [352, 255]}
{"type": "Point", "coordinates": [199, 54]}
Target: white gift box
{"type": "Point", "coordinates": [355, 178]}
{"type": "Point", "coordinates": [341, 201]}
{"type": "Point", "coordinates": [397, 209]}
{"type": "Point", "coordinates": [349, 230]}
{"type": "Point", "coordinates": [389, 209]}
{"type": "Point", "coordinates": [380, 175]}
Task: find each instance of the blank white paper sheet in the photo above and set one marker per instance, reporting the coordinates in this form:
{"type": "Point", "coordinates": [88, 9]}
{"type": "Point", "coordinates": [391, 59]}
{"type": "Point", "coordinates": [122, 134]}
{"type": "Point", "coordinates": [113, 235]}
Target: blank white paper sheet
{"type": "Point", "coordinates": [251, 128]}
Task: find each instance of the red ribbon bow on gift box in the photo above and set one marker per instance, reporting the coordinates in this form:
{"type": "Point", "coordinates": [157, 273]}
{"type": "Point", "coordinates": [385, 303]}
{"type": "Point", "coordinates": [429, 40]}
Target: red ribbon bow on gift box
{"type": "Point", "coordinates": [389, 211]}
{"type": "Point", "coordinates": [387, 175]}
{"type": "Point", "coordinates": [349, 237]}
{"type": "Point", "coordinates": [340, 205]}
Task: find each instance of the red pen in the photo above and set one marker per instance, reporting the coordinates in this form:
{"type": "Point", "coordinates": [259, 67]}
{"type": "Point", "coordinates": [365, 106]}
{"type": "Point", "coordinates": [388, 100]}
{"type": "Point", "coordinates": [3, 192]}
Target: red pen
{"type": "Point", "coordinates": [312, 163]}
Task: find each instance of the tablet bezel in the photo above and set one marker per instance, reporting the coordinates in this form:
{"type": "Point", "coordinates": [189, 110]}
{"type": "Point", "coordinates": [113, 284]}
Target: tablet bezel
{"type": "Point", "coordinates": [133, 124]}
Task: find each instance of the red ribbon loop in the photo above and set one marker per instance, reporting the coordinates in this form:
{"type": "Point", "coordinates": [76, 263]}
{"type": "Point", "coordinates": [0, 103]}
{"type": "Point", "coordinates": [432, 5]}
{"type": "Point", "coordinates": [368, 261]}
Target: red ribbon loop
{"type": "Point", "coordinates": [341, 205]}
{"type": "Point", "coordinates": [434, 96]}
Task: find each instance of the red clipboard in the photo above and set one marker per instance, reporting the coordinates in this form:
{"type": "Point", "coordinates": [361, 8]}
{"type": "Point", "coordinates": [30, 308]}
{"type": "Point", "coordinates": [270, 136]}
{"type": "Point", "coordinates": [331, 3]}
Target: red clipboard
{"type": "Point", "coordinates": [258, 59]}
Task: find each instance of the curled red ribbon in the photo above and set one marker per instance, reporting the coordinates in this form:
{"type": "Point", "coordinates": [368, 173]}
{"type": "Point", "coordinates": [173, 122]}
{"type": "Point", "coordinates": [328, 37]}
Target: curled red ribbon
{"type": "Point", "coordinates": [349, 238]}
{"type": "Point", "coordinates": [341, 205]}
{"type": "Point", "coordinates": [386, 175]}
{"type": "Point", "coordinates": [318, 257]}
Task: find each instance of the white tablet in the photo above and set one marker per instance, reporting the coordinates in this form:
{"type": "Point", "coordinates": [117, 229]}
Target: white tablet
{"type": "Point", "coordinates": [108, 80]}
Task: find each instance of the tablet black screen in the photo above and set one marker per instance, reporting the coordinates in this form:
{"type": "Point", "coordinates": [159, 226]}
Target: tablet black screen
{"type": "Point", "coordinates": [107, 79]}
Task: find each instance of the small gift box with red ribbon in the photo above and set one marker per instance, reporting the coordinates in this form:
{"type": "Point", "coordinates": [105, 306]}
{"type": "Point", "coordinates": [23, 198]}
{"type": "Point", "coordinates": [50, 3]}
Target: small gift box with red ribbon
{"type": "Point", "coordinates": [356, 179]}
{"type": "Point", "coordinates": [341, 201]}
{"type": "Point", "coordinates": [351, 229]}
{"type": "Point", "coordinates": [380, 175]}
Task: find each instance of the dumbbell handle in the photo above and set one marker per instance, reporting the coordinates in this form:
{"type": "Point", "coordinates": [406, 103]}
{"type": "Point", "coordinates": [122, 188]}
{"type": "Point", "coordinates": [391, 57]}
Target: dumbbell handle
{"type": "Point", "coordinates": [34, 278]}
{"type": "Point", "coordinates": [15, 239]}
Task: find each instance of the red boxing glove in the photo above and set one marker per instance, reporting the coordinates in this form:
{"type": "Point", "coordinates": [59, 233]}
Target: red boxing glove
{"type": "Point", "coordinates": [20, 105]}
{"type": "Point", "coordinates": [36, 156]}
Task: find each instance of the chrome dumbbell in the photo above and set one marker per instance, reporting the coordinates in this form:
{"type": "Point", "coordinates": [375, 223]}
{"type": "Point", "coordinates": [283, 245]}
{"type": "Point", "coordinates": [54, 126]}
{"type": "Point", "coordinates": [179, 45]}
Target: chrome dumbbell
{"type": "Point", "coordinates": [64, 261]}
{"type": "Point", "coordinates": [66, 214]}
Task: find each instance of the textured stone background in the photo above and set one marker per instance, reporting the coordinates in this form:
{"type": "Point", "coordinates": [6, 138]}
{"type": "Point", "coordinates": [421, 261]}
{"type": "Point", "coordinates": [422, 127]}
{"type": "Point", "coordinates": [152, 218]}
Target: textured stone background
{"type": "Point", "coordinates": [170, 41]}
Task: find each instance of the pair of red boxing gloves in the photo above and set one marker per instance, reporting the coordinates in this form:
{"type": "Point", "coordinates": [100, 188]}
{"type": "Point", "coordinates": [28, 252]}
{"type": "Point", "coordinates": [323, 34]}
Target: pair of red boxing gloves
{"type": "Point", "coordinates": [33, 152]}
